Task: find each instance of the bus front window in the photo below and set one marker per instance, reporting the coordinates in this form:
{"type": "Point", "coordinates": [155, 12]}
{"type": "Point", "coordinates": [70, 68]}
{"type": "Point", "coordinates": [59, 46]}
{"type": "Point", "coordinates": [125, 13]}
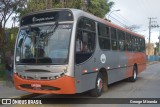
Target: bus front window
{"type": "Point", "coordinates": [44, 44]}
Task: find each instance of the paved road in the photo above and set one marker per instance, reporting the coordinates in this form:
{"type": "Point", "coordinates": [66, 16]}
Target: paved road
{"type": "Point", "coordinates": [146, 86]}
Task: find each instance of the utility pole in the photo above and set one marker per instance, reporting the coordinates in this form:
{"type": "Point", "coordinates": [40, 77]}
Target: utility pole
{"type": "Point", "coordinates": [150, 27]}
{"type": "Point", "coordinates": [159, 45]}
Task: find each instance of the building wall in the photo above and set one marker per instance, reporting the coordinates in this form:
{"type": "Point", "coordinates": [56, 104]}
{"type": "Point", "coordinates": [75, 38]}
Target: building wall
{"type": "Point", "coordinates": [151, 46]}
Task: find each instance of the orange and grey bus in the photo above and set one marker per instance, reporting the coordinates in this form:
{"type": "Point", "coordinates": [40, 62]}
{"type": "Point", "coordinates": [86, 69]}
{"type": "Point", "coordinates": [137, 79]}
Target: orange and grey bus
{"type": "Point", "coordinates": [69, 51]}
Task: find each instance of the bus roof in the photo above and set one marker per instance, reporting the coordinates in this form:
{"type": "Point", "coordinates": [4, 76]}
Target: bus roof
{"type": "Point", "coordinates": [89, 15]}
{"type": "Point", "coordinates": [78, 13]}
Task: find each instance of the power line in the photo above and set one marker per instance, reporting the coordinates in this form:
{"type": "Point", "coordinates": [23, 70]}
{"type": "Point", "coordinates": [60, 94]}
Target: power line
{"type": "Point", "coordinates": [122, 19]}
{"type": "Point", "coordinates": [122, 24]}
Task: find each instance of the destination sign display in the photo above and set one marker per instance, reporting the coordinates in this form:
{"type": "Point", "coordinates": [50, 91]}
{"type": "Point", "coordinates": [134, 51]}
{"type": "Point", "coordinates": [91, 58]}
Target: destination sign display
{"type": "Point", "coordinates": [47, 17]}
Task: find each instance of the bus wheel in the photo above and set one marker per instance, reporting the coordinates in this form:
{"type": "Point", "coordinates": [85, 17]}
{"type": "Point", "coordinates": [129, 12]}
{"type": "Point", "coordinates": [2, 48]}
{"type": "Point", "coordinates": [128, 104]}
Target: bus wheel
{"type": "Point", "coordinates": [97, 91]}
{"type": "Point", "coordinates": [134, 77]}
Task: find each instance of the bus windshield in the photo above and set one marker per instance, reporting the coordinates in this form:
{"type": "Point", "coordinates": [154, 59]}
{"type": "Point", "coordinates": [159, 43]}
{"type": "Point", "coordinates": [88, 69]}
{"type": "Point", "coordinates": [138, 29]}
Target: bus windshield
{"type": "Point", "coordinates": [43, 44]}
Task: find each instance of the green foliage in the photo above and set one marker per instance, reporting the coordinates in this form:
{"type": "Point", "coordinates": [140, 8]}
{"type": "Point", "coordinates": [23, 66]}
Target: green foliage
{"type": "Point", "coordinates": [10, 39]}
{"type": "Point", "coordinates": [7, 8]}
{"type": "Point", "coordinates": [95, 7]}
{"type": "Point", "coordinates": [68, 4]}
{"type": "Point", "coordinates": [156, 49]}
{"type": "Point", "coordinates": [30, 6]}
{"type": "Point", "coordinates": [99, 7]}
{"type": "Point", "coordinates": [33, 5]}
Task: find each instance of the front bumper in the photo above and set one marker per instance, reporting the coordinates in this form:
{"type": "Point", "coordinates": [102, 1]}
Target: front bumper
{"type": "Point", "coordinates": [65, 85]}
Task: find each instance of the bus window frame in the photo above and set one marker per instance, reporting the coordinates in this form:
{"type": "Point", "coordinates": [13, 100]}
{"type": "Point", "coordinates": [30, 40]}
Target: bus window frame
{"type": "Point", "coordinates": [77, 21]}
{"type": "Point", "coordinates": [104, 37]}
{"type": "Point", "coordinates": [45, 24]}
{"type": "Point", "coordinates": [114, 39]}
{"type": "Point", "coordinates": [120, 32]}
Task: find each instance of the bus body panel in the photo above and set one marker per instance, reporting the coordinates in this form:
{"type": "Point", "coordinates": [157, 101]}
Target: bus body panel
{"type": "Point", "coordinates": [30, 74]}
{"type": "Point", "coordinates": [87, 80]}
{"type": "Point", "coordinates": [40, 72]}
{"type": "Point", "coordinates": [117, 68]}
{"type": "Point", "coordinates": [82, 77]}
{"type": "Point", "coordinates": [47, 87]}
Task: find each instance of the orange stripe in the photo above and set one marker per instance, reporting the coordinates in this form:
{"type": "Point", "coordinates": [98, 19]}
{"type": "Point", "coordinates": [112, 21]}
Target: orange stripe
{"type": "Point", "coordinates": [66, 85]}
{"type": "Point", "coordinates": [138, 58]}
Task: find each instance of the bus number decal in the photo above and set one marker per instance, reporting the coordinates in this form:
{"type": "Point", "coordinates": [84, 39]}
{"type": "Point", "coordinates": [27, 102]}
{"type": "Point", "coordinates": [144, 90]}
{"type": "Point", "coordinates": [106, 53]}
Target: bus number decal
{"type": "Point", "coordinates": [103, 58]}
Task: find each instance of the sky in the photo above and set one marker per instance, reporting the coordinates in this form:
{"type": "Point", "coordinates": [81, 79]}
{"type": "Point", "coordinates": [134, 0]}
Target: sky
{"type": "Point", "coordinates": [10, 22]}
{"type": "Point", "coordinates": [137, 12]}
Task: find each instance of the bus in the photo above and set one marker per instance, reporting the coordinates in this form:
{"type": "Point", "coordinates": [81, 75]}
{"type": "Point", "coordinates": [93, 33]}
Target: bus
{"type": "Point", "coordinates": [69, 51]}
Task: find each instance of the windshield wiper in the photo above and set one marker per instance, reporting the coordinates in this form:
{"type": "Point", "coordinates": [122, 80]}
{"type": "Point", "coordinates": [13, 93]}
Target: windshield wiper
{"type": "Point", "coordinates": [55, 25]}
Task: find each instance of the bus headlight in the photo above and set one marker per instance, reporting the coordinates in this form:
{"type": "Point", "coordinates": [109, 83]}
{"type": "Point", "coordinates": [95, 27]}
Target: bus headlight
{"type": "Point", "coordinates": [51, 78]}
{"type": "Point", "coordinates": [57, 76]}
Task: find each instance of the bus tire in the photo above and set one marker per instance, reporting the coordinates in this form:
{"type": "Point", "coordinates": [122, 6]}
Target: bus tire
{"type": "Point", "coordinates": [97, 91]}
{"type": "Point", "coordinates": [134, 76]}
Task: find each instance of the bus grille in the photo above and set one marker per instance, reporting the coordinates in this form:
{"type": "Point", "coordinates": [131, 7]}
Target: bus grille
{"type": "Point", "coordinates": [32, 78]}
{"type": "Point", "coordinates": [43, 87]}
{"type": "Point", "coordinates": [36, 70]}
{"type": "Point", "coordinates": [41, 78]}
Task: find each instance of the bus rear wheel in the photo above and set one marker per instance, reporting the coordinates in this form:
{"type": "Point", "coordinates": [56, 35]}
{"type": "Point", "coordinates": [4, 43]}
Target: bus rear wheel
{"type": "Point", "coordinates": [97, 91]}
{"type": "Point", "coordinates": [134, 76]}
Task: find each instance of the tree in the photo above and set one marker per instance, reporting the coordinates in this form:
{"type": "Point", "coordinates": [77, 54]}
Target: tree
{"type": "Point", "coordinates": [99, 7]}
{"type": "Point", "coordinates": [7, 8]}
{"type": "Point", "coordinates": [31, 6]}
{"type": "Point", "coordinates": [10, 38]}
{"type": "Point", "coordinates": [156, 48]}
{"type": "Point", "coordinates": [96, 7]}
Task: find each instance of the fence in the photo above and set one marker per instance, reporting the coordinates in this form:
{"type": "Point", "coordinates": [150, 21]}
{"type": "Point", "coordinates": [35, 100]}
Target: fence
{"type": "Point", "coordinates": [153, 58]}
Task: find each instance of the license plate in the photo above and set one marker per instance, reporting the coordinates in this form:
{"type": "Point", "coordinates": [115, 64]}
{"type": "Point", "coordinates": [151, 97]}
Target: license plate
{"type": "Point", "coordinates": [36, 85]}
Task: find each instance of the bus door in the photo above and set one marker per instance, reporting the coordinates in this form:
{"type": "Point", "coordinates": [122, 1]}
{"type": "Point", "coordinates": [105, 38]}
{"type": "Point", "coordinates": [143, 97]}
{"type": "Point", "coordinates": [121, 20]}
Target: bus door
{"type": "Point", "coordinates": [84, 59]}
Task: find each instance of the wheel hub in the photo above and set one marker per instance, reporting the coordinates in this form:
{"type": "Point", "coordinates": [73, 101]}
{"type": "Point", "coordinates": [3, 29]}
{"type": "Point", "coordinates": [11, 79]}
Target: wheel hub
{"type": "Point", "coordinates": [99, 84]}
{"type": "Point", "coordinates": [135, 75]}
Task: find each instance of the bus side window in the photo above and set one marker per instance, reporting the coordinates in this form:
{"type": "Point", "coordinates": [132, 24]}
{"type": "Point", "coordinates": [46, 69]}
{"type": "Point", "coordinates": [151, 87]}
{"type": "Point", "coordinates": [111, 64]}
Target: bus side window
{"type": "Point", "coordinates": [103, 36]}
{"type": "Point", "coordinates": [139, 44]}
{"type": "Point", "coordinates": [136, 44]}
{"type": "Point", "coordinates": [121, 40]}
{"type": "Point", "coordinates": [114, 39]}
{"type": "Point", "coordinates": [142, 45]}
{"type": "Point", "coordinates": [128, 43]}
{"type": "Point", "coordinates": [133, 43]}
{"type": "Point", "coordinates": [85, 40]}
{"type": "Point", "coordinates": [79, 41]}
